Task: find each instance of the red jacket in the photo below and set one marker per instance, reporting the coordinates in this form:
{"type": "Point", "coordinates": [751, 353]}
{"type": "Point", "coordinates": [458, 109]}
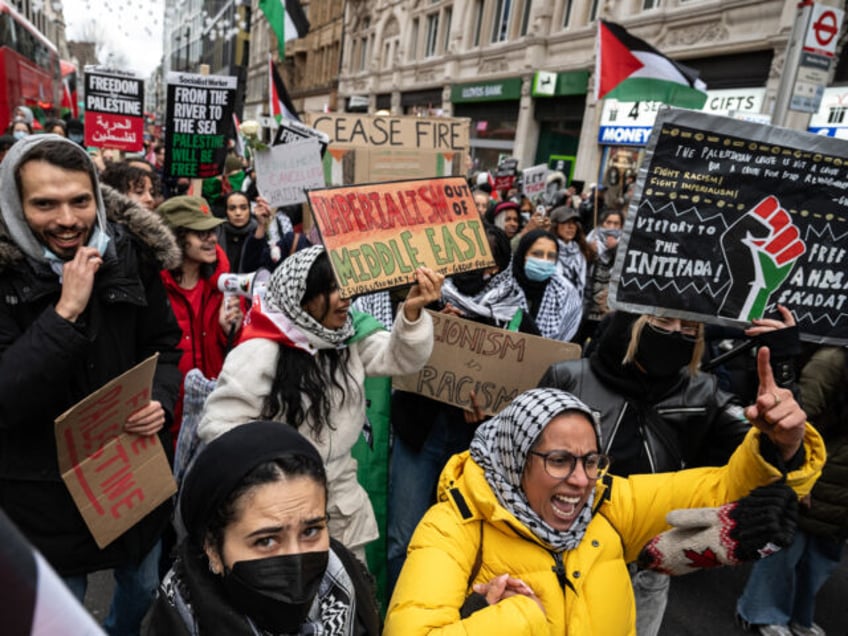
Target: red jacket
{"type": "Point", "coordinates": [203, 342]}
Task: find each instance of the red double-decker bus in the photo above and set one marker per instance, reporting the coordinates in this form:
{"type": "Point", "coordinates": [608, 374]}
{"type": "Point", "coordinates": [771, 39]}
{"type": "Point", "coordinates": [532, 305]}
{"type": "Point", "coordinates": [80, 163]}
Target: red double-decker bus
{"type": "Point", "coordinates": [29, 66]}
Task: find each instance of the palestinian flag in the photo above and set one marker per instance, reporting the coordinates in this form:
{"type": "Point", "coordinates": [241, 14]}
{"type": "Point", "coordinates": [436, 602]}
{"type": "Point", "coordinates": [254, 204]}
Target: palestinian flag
{"type": "Point", "coordinates": [631, 70]}
{"type": "Point", "coordinates": [70, 102]}
{"type": "Point", "coordinates": [286, 19]}
{"type": "Point", "coordinates": [281, 106]}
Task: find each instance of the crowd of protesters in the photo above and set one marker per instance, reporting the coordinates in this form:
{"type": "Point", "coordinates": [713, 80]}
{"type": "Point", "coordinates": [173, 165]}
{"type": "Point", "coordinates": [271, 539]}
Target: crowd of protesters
{"type": "Point", "coordinates": [105, 260]}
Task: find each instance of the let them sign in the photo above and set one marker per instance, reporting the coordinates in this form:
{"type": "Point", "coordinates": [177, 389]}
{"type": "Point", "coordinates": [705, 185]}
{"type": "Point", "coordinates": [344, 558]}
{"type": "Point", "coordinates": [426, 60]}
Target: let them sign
{"type": "Point", "coordinates": [377, 235]}
{"type": "Point", "coordinates": [115, 478]}
{"type": "Point", "coordinates": [494, 363]}
{"type": "Point", "coordinates": [731, 218]}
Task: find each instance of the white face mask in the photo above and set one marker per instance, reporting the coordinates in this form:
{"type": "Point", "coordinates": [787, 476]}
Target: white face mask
{"type": "Point", "coordinates": [99, 240]}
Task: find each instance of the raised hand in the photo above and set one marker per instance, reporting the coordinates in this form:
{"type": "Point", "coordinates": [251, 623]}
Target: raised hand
{"type": "Point", "coordinates": [775, 412]}
{"type": "Point", "coordinates": [428, 289]}
{"type": "Point", "coordinates": [77, 283]}
{"type": "Point", "coordinates": [760, 249]}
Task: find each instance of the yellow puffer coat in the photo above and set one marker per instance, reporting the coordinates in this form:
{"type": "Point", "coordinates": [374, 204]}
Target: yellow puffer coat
{"type": "Point", "coordinates": [595, 596]}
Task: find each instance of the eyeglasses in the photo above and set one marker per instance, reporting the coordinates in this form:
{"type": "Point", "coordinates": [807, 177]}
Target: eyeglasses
{"type": "Point", "coordinates": [667, 326]}
{"type": "Point", "coordinates": [561, 464]}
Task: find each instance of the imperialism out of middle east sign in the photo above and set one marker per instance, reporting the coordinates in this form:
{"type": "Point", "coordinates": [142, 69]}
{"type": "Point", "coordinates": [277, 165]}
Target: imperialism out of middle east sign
{"type": "Point", "coordinates": [731, 218]}
{"type": "Point", "coordinates": [200, 120]}
{"type": "Point", "coordinates": [378, 234]}
{"type": "Point", "coordinates": [114, 103]}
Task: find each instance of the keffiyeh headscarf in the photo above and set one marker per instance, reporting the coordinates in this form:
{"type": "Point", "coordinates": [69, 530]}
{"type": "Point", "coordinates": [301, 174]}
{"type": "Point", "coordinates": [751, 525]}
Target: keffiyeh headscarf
{"type": "Point", "coordinates": [498, 300]}
{"type": "Point", "coordinates": [285, 295]}
{"type": "Point", "coordinates": [501, 446]}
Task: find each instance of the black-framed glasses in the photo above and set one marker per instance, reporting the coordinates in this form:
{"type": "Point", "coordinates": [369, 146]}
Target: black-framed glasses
{"type": "Point", "coordinates": [560, 464]}
{"type": "Point", "coordinates": [689, 330]}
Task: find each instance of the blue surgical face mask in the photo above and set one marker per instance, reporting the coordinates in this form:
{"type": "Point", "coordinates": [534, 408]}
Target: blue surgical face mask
{"type": "Point", "coordinates": [19, 134]}
{"type": "Point", "coordinates": [538, 269]}
{"type": "Point", "coordinates": [99, 240]}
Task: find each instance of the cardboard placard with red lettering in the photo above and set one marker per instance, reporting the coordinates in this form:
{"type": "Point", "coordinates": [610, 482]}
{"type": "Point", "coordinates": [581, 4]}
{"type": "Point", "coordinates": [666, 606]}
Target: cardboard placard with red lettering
{"type": "Point", "coordinates": [533, 180]}
{"type": "Point", "coordinates": [114, 109]}
{"type": "Point", "coordinates": [378, 234]}
{"type": "Point", "coordinates": [115, 478]}
{"type": "Point", "coordinates": [494, 363]}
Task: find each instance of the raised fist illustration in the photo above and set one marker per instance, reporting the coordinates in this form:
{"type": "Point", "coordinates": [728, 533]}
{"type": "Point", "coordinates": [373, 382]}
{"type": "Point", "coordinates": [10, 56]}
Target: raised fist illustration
{"type": "Point", "coordinates": [760, 249]}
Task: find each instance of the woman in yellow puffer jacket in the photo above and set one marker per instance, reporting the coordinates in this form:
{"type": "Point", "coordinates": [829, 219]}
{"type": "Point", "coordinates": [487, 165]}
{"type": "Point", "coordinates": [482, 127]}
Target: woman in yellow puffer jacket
{"type": "Point", "coordinates": [523, 541]}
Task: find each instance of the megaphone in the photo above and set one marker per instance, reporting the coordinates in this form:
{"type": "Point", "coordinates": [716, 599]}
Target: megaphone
{"type": "Point", "coordinates": [247, 285]}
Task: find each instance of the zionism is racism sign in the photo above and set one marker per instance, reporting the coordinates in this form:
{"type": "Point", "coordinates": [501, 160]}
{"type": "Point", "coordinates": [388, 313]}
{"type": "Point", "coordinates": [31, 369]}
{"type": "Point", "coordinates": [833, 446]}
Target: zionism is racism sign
{"type": "Point", "coordinates": [731, 218]}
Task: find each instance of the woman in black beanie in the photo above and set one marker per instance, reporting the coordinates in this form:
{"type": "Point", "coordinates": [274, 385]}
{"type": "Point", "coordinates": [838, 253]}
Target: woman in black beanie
{"type": "Point", "coordinates": [258, 557]}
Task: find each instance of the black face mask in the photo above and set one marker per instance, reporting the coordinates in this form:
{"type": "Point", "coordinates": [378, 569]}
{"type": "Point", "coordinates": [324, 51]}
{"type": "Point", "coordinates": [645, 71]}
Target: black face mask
{"type": "Point", "coordinates": [662, 355]}
{"type": "Point", "coordinates": [470, 283]}
{"type": "Point", "coordinates": [277, 592]}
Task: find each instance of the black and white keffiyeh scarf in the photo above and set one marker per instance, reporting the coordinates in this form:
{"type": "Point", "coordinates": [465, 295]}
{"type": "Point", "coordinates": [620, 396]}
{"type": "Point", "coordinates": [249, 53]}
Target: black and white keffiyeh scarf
{"type": "Point", "coordinates": [285, 294]}
{"type": "Point", "coordinates": [200, 601]}
{"type": "Point", "coordinates": [560, 311]}
{"type": "Point", "coordinates": [377, 304]}
{"type": "Point", "coordinates": [501, 446]}
{"type": "Point", "coordinates": [497, 301]}
{"type": "Point", "coordinates": [572, 264]}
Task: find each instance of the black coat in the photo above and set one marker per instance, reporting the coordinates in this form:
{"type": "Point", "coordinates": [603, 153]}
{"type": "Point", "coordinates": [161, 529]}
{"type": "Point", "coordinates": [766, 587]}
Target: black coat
{"type": "Point", "coordinates": [48, 364]}
{"type": "Point", "coordinates": [695, 424]}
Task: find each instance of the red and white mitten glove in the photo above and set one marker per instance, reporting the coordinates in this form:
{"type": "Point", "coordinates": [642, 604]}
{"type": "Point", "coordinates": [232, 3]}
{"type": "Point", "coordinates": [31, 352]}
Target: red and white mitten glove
{"type": "Point", "coordinates": [752, 528]}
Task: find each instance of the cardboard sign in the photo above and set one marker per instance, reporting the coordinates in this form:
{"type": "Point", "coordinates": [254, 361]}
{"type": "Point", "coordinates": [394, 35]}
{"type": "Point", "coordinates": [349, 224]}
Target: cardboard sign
{"type": "Point", "coordinates": [730, 218]}
{"type": "Point", "coordinates": [115, 478]}
{"type": "Point", "coordinates": [290, 131]}
{"type": "Point", "coordinates": [200, 120]}
{"type": "Point", "coordinates": [114, 103]}
{"type": "Point", "coordinates": [374, 148]}
{"type": "Point", "coordinates": [534, 180]}
{"type": "Point", "coordinates": [494, 363]}
{"type": "Point", "coordinates": [284, 173]}
{"type": "Point", "coordinates": [377, 235]}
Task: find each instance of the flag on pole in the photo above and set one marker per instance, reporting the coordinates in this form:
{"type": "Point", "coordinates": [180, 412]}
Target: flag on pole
{"type": "Point", "coordinates": [281, 106]}
{"type": "Point", "coordinates": [69, 88]}
{"type": "Point", "coordinates": [286, 19]}
{"type": "Point", "coordinates": [631, 70]}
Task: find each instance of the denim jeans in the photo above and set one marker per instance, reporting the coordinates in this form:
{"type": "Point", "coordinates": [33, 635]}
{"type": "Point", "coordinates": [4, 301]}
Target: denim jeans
{"type": "Point", "coordinates": [135, 589]}
{"type": "Point", "coordinates": [782, 588]}
{"type": "Point", "coordinates": [651, 592]}
{"type": "Point", "coordinates": [412, 483]}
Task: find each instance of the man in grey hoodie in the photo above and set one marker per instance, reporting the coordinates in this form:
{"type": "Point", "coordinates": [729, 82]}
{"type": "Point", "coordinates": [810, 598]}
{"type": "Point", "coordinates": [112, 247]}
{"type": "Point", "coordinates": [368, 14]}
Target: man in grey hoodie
{"type": "Point", "coordinates": [82, 303]}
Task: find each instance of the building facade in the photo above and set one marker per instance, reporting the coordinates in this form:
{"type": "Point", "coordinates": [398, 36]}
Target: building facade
{"type": "Point", "coordinates": [522, 70]}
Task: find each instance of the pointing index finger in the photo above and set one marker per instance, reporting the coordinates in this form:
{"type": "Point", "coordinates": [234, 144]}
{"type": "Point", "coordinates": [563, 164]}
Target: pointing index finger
{"type": "Point", "coordinates": [764, 372]}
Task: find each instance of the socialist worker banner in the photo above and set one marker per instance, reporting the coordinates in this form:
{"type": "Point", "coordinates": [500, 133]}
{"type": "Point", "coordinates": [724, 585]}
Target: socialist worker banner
{"type": "Point", "coordinates": [731, 218]}
{"type": "Point", "coordinates": [378, 234]}
{"type": "Point", "coordinates": [114, 102]}
{"type": "Point", "coordinates": [200, 121]}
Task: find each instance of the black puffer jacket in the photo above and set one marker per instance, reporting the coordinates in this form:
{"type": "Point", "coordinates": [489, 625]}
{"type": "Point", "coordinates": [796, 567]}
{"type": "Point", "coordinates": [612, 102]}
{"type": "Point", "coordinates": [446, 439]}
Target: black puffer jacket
{"type": "Point", "coordinates": [696, 424]}
{"type": "Point", "coordinates": [651, 425]}
{"type": "Point", "coordinates": [47, 364]}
